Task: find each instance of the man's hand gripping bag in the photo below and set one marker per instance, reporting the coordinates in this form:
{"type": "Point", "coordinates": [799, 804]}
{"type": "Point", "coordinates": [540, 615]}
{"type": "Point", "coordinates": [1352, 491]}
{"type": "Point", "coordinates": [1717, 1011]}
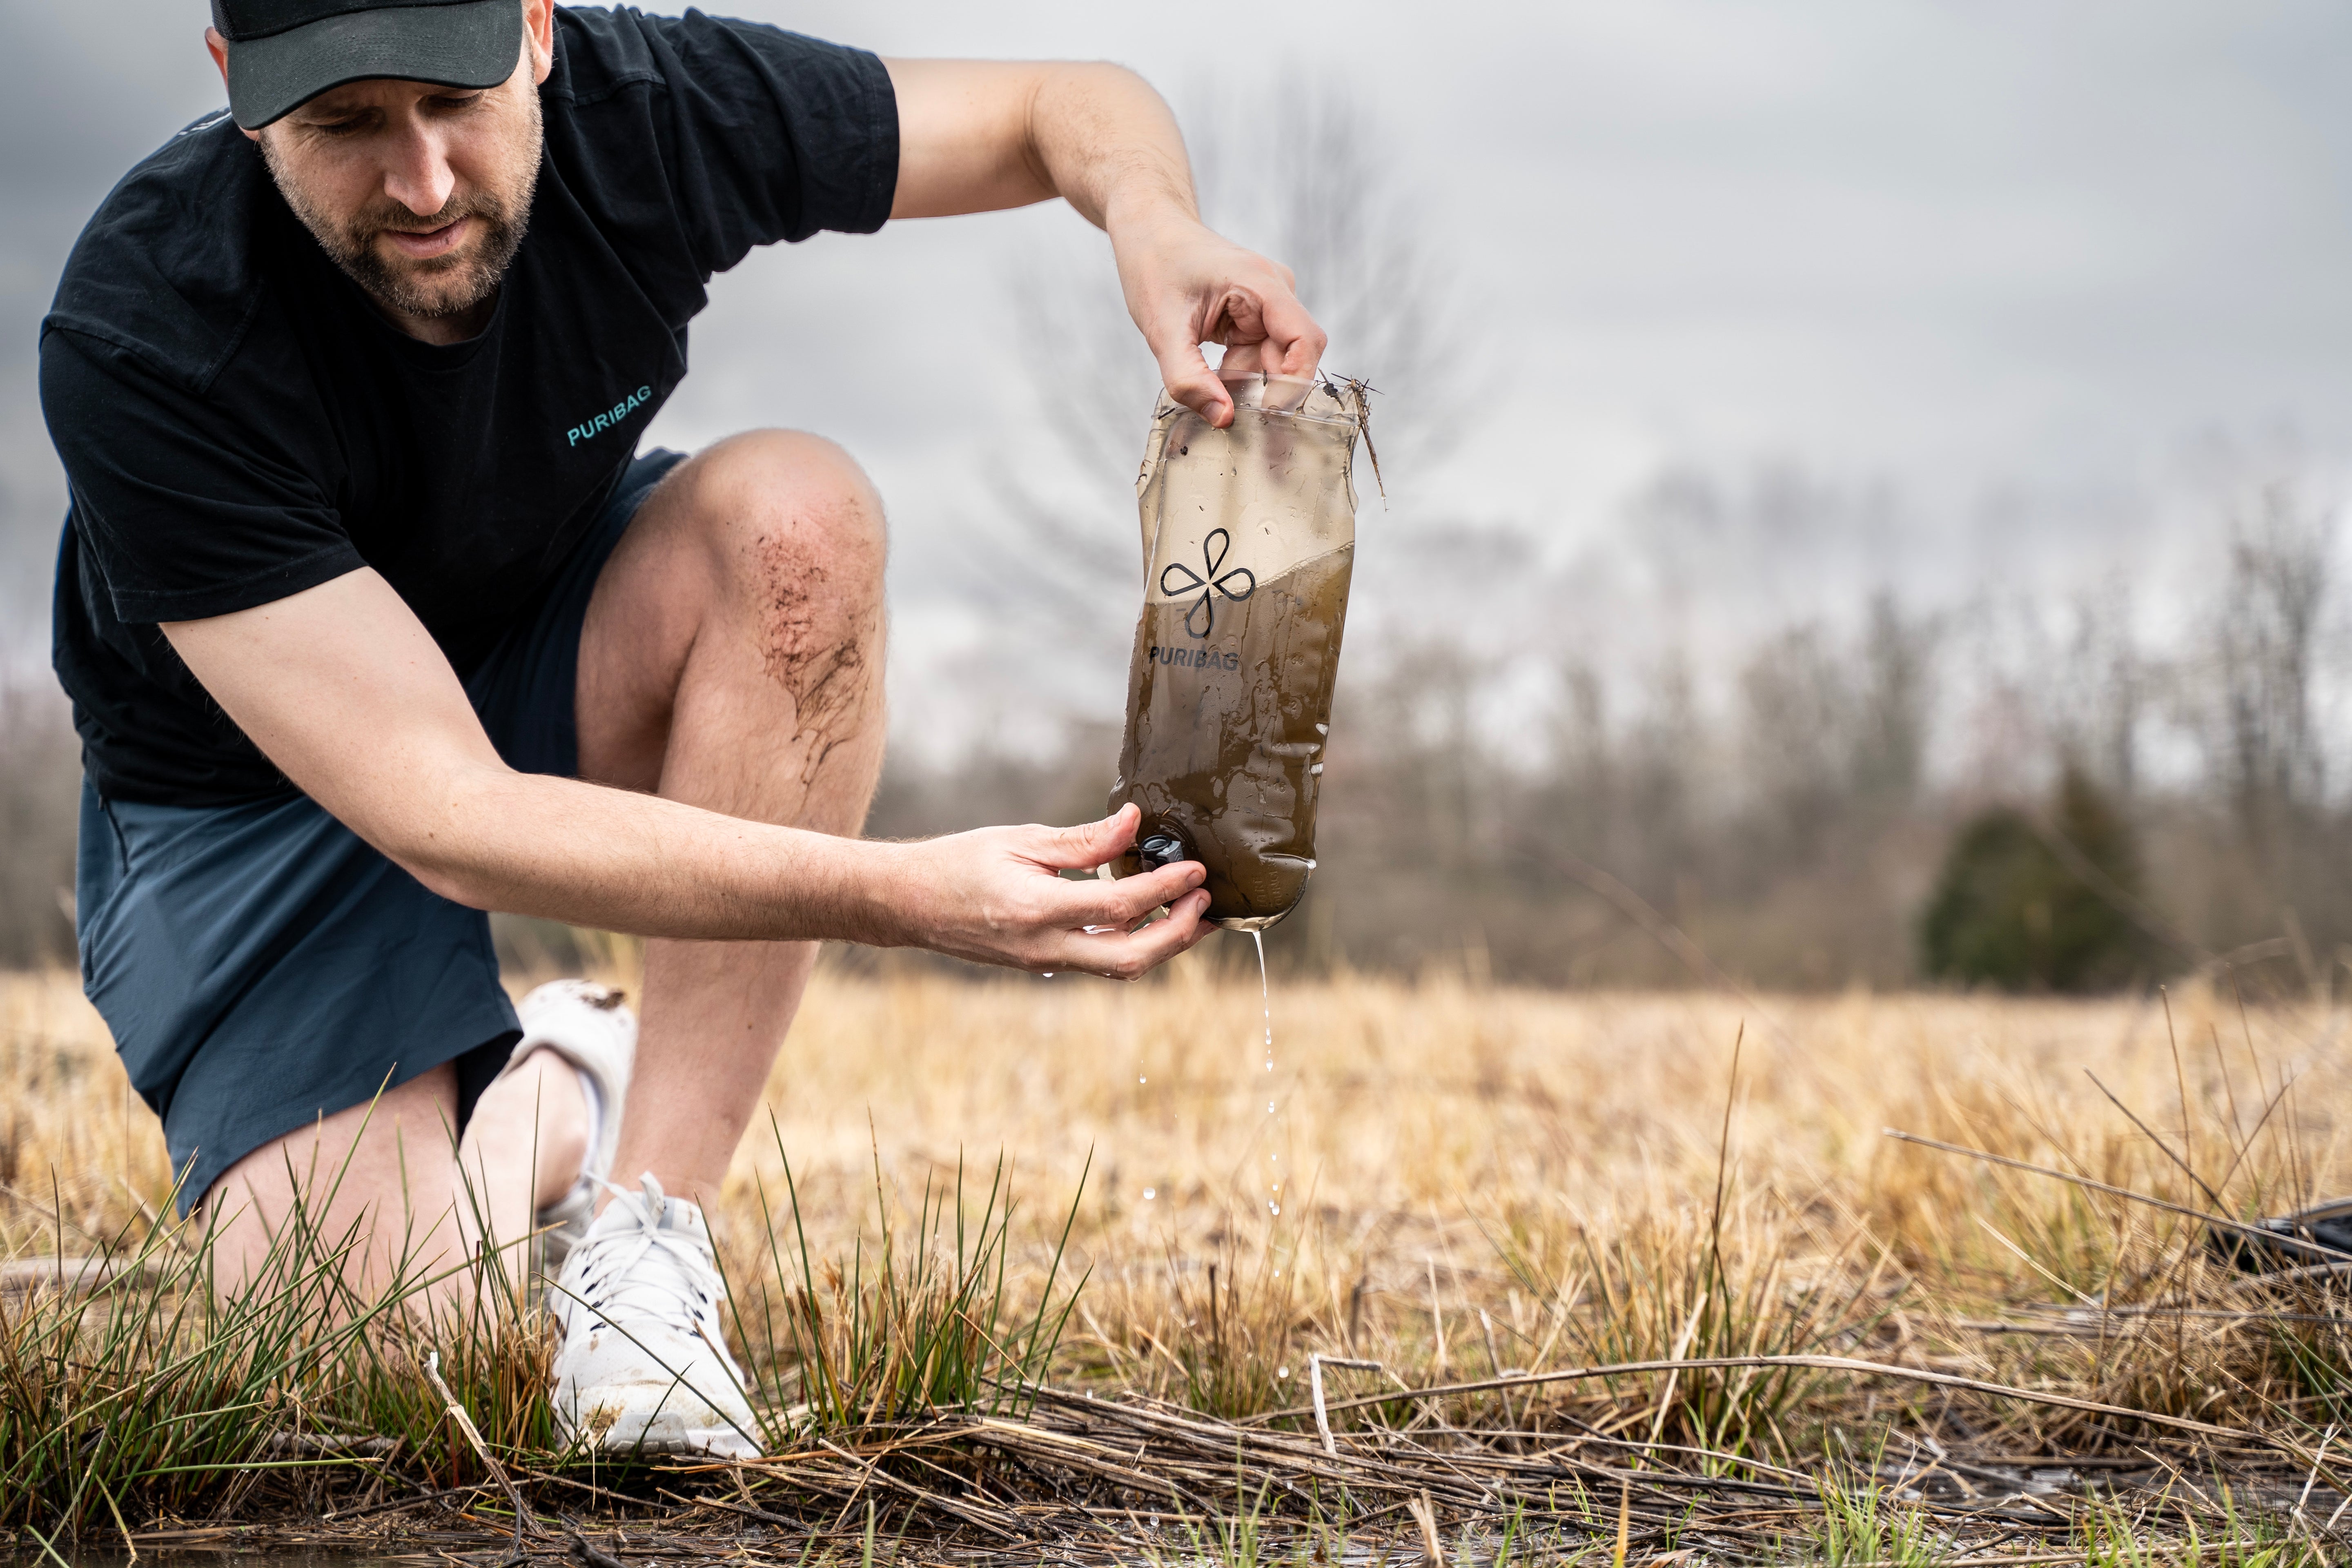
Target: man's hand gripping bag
{"type": "Point", "coordinates": [1249, 535]}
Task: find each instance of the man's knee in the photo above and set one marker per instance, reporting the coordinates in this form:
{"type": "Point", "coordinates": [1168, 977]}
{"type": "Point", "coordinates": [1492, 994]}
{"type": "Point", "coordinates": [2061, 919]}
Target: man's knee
{"type": "Point", "coordinates": [776, 500]}
{"type": "Point", "coordinates": [798, 536]}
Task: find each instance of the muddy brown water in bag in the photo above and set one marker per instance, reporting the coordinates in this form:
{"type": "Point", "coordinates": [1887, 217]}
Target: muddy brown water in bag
{"type": "Point", "coordinates": [1249, 535]}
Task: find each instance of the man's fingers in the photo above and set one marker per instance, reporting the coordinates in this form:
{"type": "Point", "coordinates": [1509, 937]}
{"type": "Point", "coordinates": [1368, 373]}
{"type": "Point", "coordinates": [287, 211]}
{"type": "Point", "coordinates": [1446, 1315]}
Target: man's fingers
{"type": "Point", "coordinates": [1290, 329]}
{"type": "Point", "coordinates": [1129, 900]}
{"type": "Point", "coordinates": [1243, 359]}
{"type": "Point", "coordinates": [1089, 844]}
{"type": "Point", "coordinates": [1237, 317]}
{"type": "Point", "coordinates": [1185, 372]}
{"type": "Point", "coordinates": [1264, 330]}
{"type": "Point", "coordinates": [1270, 332]}
{"type": "Point", "coordinates": [1128, 955]}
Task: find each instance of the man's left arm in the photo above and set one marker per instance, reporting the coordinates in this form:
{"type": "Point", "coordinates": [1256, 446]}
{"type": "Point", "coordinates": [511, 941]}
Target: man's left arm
{"type": "Point", "coordinates": [977, 136]}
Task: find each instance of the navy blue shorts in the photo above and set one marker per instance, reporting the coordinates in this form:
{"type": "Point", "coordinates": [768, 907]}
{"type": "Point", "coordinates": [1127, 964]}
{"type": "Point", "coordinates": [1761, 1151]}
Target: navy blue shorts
{"type": "Point", "coordinates": [261, 966]}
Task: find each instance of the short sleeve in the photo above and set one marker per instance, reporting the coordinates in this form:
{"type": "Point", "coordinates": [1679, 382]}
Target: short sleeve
{"type": "Point", "coordinates": [763, 135]}
{"type": "Point", "coordinates": [186, 511]}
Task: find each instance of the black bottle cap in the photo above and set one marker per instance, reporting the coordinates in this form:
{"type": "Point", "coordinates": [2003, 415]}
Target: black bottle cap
{"type": "Point", "coordinates": [1161, 848]}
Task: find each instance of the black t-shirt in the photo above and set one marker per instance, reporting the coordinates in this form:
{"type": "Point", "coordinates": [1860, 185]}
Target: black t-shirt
{"type": "Point", "coordinates": [238, 424]}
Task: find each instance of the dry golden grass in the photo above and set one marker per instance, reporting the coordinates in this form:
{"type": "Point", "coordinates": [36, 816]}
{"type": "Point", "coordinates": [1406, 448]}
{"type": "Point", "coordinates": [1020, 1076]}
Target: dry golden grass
{"type": "Point", "coordinates": [1441, 1150]}
{"type": "Point", "coordinates": [1452, 1181]}
{"type": "Point", "coordinates": [1437, 1152]}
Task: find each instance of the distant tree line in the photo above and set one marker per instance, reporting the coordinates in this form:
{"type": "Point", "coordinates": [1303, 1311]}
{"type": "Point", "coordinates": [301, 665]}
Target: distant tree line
{"type": "Point", "coordinates": [1908, 801]}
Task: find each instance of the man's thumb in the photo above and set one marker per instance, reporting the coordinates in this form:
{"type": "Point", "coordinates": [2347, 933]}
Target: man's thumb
{"type": "Point", "coordinates": [1185, 372]}
{"type": "Point", "coordinates": [1086, 845]}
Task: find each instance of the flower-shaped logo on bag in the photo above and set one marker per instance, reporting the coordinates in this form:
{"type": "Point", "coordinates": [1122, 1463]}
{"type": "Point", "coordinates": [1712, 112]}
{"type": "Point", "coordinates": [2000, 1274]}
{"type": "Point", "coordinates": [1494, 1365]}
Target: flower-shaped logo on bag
{"type": "Point", "coordinates": [1209, 581]}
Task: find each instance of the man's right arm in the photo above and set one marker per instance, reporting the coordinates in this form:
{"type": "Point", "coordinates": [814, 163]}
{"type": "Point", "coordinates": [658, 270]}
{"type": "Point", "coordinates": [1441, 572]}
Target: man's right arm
{"type": "Point", "coordinates": [341, 687]}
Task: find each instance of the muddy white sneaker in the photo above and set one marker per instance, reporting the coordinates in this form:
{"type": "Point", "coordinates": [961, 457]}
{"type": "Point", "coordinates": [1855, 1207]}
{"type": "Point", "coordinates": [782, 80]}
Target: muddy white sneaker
{"type": "Point", "coordinates": [644, 1366]}
{"type": "Point", "coordinates": [587, 1025]}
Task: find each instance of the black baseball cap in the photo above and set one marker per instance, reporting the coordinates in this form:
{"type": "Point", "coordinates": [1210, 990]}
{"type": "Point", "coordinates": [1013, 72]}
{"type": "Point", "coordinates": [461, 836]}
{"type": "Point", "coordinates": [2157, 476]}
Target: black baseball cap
{"type": "Point", "coordinates": [283, 53]}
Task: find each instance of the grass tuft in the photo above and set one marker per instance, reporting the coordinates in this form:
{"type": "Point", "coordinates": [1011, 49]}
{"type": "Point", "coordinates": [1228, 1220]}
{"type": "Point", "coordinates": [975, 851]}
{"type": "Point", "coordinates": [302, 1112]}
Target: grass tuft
{"type": "Point", "coordinates": [919, 1323]}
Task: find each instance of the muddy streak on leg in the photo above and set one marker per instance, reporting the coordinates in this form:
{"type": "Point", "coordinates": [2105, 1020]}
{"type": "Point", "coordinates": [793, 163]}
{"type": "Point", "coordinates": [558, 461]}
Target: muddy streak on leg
{"type": "Point", "coordinates": [810, 646]}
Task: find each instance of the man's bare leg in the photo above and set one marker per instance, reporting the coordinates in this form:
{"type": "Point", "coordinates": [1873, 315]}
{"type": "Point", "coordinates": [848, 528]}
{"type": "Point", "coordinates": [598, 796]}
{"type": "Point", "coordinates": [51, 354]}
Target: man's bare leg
{"type": "Point", "coordinates": [382, 1174]}
{"type": "Point", "coordinates": [522, 1151]}
{"type": "Point", "coordinates": [732, 658]}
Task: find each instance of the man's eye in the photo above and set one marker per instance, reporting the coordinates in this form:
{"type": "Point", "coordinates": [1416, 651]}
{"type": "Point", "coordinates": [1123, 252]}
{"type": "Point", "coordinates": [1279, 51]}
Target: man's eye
{"type": "Point", "coordinates": [454, 103]}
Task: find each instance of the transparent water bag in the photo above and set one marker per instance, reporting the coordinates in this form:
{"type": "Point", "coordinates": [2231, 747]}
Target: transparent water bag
{"type": "Point", "coordinates": [1249, 536]}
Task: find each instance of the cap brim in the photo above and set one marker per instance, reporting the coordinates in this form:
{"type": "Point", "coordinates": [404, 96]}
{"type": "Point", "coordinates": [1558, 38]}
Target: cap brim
{"type": "Point", "coordinates": [473, 44]}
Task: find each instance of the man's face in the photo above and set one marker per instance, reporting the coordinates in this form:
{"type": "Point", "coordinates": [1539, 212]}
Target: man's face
{"type": "Point", "coordinates": [420, 192]}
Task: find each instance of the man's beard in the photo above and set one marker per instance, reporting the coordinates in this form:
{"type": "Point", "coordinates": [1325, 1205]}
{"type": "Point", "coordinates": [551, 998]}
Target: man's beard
{"type": "Point", "coordinates": [441, 286]}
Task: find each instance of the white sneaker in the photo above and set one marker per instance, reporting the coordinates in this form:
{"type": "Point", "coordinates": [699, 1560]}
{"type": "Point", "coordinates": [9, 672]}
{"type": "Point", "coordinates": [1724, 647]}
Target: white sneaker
{"type": "Point", "coordinates": [644, 1365]}
{"type": "Point", "coordinates": [587, 1025]}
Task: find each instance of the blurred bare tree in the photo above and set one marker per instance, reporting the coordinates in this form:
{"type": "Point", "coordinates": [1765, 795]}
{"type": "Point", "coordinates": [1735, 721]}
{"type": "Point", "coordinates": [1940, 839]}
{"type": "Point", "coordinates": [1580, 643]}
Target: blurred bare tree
{"type": "Point", "coordinates": [2099, 688]}
{"type": "Point", "coordinates": [1896, 706]}
{"type": "Point", "coordinates": [1835, 733]}
{"type": "Point", "coordinates": [1798, 741]}
{"type": "Point", "coordinates": [2259, 722]}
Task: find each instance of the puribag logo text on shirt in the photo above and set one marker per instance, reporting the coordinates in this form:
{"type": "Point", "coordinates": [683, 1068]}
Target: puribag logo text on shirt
{"type": "Point", "coordinates": [589, 429]}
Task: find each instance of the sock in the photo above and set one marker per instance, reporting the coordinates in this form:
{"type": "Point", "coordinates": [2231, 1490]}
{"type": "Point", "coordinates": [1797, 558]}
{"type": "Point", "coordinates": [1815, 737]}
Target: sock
{"type": "Point", "coordinates": [594, 1098]}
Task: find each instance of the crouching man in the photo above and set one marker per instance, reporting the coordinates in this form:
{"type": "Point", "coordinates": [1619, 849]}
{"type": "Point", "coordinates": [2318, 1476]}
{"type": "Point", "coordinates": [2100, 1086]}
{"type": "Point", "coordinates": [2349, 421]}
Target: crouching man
{"type": "Point", "coordinates": [372, 622]}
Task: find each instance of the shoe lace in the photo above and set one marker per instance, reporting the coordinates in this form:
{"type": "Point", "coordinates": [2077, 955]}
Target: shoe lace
{"type": "Point", "coordinates": [647, 1270]}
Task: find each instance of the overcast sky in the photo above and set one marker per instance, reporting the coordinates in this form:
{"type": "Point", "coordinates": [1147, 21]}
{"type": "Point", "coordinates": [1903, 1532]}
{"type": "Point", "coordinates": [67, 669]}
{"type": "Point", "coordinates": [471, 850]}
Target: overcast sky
{"type": "Point", "coordinates": [2008, 267]}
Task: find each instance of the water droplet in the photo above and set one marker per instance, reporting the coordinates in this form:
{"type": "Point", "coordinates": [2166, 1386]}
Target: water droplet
{"type": "Point", "coordinates": [1269, 1107]}
{"type": "Point", "coordinates": [1143, 1080]}
{"type": "Point", "coordinates": [1048, 974]}
{"type": "Point", "coordinates": [1275, 1207]}
{"type": "Point", "coordinates": [1150, 1194]}
{"type": "Point", "coordinates": [1284, 1372]}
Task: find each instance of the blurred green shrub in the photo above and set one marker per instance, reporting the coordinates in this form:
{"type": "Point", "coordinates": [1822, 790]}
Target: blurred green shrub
{"type": "Point", "coordinates": [2009, 912]}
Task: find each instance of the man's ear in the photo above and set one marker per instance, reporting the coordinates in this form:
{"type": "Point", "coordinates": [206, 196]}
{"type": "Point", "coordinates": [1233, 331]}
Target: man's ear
{"type": "Point", "coordinates": [219, 48]}
{"type": "Point", "coordinates": [538, 36]}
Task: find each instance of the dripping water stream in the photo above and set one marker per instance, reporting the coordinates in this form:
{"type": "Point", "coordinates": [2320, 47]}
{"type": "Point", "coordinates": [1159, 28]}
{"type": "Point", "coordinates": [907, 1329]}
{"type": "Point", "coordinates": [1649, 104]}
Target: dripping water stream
{"type": "Point", "coordinates": [1272, 1102]}
{"type": "Point", "coordinates": [1265, 1001]}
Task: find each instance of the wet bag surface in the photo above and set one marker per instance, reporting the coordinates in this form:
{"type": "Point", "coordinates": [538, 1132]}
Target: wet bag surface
{"type": "Point", "coordinates": [1249, 536]}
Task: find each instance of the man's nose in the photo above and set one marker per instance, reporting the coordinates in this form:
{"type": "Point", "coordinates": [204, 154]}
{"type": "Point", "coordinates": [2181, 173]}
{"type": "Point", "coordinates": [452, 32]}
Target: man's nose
{"type": "Point", "coordinates": [417, 173]}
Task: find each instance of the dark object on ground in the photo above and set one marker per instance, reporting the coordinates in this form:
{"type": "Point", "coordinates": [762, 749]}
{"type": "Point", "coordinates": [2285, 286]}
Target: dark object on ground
{"type": "Point", "coordinates": [587, 1552]}
{"type": "Point", "coordinates": [2008, 911]}
{"type": "Point", "coordinates": [2329, 1226]}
